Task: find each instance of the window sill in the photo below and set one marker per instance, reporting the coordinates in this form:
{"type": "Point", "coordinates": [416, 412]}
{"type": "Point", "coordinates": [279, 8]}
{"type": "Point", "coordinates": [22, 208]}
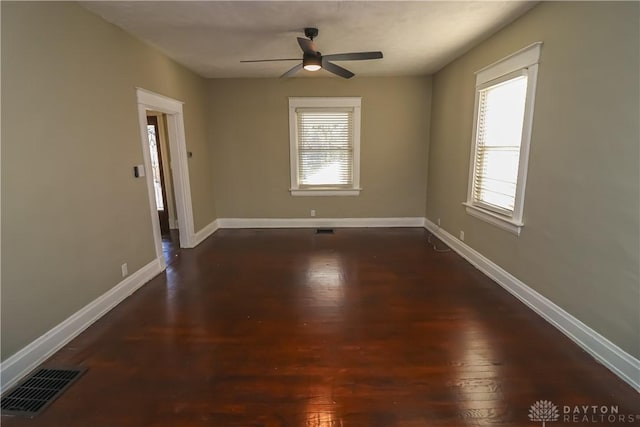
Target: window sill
{"type": "Point", "coordinates": [325, 192]}
{"type": "Point", "coordinates": [507, 224]}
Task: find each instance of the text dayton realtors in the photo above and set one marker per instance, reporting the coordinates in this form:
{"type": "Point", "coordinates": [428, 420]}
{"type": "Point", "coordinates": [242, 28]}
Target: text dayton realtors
{"type": "Point", "coordinates": [596, 414]}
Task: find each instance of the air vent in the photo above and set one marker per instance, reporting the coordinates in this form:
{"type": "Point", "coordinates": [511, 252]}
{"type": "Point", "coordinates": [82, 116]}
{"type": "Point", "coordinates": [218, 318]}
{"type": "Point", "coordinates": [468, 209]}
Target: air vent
{"type": "Point", "coordinates": [324, 230]}
{"type": "Point", "coordinates": [38, 390]}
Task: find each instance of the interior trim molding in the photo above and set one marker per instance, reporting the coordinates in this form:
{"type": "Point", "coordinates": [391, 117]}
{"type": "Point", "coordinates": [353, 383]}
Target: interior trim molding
{"type": "Point", "coordinates": [610, 355]}
{"type": "Point", "coordinates": [177, 144]}
{"type": "Point", "coordinates": [319, 222]}
{"type": "Point", "coordinates": [28, 358]}
{"type": "Point", "coordinates": [205, 232]}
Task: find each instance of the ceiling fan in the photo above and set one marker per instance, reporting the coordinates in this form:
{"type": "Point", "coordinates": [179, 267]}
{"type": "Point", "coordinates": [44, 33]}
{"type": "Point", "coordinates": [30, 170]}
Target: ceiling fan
{"type": "Point", "coordinates": [312, 60]}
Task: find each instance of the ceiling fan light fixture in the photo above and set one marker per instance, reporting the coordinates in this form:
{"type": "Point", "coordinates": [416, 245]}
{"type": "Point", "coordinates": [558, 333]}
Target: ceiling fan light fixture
{"type": "Point", "coordinates": [312, 63]}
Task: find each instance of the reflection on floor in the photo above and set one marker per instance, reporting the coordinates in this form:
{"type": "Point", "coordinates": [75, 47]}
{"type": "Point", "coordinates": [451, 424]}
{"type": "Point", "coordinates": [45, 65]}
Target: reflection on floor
{"type": "Point", "coordinates": [171, 246]}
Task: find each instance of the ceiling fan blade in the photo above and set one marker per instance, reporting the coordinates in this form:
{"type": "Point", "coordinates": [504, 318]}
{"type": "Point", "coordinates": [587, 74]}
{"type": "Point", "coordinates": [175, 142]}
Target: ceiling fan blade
{"type": "Point", "coordinates": [271, 60]}
{"type": "Point", "coordinates": [355, 56]}
{"type": "Point", "coordinates": [307, 46]}
{"type": "Point", "coordinates": [292, 71]}
{"type": "Point", "coordinates": [336, 69]}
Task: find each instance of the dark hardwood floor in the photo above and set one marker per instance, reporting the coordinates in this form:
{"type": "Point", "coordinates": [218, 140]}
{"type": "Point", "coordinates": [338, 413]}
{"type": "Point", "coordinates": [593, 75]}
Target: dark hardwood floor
{"type": "Point", "coordinates": [365, 327]}
{"type": "Point", "coordinates": [171, 246]}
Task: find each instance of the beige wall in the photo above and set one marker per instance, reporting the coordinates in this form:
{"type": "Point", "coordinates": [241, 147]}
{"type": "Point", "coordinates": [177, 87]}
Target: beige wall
{"type": "Point", "coordinates": [579, 246]}
{"type": "Point", "coordinates": [72, 212]}
{"type": "Point", "coordinates": [249, 134]}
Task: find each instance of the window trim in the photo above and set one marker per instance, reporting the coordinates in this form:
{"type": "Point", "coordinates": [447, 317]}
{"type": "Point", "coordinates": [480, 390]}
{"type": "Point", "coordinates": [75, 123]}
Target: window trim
{"type": "Point", "coordinates": [354, 103]}
{"type": "Point", "coordinates": [525, 61]}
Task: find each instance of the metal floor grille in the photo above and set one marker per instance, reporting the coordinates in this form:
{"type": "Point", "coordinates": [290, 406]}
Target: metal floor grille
{"type": "Point", "coordinates": [38, 390]}
{"type": "Point", "coordinates": [324, 230]}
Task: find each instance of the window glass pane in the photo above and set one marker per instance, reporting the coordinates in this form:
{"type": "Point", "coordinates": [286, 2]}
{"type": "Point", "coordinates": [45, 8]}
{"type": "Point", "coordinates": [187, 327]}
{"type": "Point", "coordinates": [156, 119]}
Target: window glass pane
{"type": "Point", "coordinates": [325, 148]}
{"type": "Point", "coordinates": [499, 135]}
{"type": "Point", "coordinates": [504, 112]}
{"type": "Point", "coordinates": [325, 167]}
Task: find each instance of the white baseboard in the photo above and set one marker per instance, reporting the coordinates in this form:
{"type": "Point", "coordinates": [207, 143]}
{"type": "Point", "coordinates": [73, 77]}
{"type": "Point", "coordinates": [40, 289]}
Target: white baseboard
{"type": "Point", "coordinates": [28, 358]}
{"type": "Point", "coordinates": [319, 222]}
{"type": "Point", "coordinates": [205, 232]}
{"type": "Point", "coordinates": [610, 355]}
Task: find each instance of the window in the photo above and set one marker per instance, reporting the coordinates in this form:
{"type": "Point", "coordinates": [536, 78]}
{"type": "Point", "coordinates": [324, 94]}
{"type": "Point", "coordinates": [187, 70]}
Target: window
{"type": "Point", "coordinates": [501, 133]}
{"type": "Point", "coordinates": [325, 146]}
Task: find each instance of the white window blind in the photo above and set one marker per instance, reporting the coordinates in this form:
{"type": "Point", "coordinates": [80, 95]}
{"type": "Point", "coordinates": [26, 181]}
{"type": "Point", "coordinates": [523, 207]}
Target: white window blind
{"type": "Point", "coordinates": [501, 109]}
{"type": "Point", "coordinates": [325, 147]}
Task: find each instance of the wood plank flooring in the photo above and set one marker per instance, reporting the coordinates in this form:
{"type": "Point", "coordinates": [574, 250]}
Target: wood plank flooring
{"type": "Point", "coordinates": [365, 327]}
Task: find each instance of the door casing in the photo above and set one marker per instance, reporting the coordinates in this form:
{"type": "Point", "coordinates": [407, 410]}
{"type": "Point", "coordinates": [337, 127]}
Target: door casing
{"type": "Point", "coordinates": [151, 101]}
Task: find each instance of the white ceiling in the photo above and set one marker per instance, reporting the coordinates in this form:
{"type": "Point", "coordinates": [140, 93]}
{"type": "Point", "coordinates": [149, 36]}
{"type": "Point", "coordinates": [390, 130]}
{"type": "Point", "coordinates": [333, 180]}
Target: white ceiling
{"type": "Point", "coordinates": [211, 37]}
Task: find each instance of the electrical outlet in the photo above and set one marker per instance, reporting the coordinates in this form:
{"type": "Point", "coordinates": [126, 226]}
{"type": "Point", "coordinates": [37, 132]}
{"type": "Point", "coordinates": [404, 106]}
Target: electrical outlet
{"type": "Point", "coordinates": [125, 269]}
{"type": "Point", "coordinates": [438, 222]}
{"type": "Point", "coordinates": [462, 235]}
{"type": "Point", "coordinates": [313, 212]}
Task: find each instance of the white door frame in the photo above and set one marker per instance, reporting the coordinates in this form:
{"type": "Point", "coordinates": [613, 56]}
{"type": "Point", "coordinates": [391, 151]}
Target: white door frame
{"type": "Point", "coordinates": [148, 100]}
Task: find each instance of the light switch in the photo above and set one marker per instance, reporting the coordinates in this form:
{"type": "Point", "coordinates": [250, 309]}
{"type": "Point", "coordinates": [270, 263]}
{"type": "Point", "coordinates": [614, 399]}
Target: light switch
{"type": "Point", "coordinates": [138, 171]}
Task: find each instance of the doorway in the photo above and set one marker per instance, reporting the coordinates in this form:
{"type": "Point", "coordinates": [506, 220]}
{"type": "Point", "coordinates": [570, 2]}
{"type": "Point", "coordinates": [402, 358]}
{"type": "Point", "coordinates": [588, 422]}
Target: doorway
{"type": "Point", "coordinates": [163, 184]}
{"type": "Point", "coordinates": [173, 187]}
{"type": "Point", "coordinates": [158, 155]}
